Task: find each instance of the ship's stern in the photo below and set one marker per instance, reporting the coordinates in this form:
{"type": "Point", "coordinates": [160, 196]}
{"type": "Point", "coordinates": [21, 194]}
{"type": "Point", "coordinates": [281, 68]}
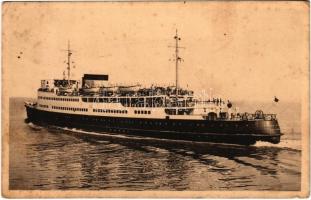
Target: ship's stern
{"type": "Point", "coordinates": [268, 130]}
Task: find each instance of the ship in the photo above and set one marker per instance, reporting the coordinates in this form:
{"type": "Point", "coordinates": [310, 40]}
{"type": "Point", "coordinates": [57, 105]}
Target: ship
{"type": "Point", "coordinates": [166, 112]}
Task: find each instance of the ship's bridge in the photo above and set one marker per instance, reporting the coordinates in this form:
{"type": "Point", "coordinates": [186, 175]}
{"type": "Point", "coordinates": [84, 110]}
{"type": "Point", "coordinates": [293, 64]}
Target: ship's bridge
{"type": "Point", "coordinates": [57, 85]}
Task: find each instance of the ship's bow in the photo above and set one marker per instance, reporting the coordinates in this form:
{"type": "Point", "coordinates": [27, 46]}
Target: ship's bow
{"type": "Point", "coordinates": [30, 110]}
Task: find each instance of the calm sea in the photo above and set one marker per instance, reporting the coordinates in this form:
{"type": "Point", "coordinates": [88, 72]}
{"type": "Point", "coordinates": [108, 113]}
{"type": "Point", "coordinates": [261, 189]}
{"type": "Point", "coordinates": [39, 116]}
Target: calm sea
{"type": "Point", "coordinates": [53, 158]}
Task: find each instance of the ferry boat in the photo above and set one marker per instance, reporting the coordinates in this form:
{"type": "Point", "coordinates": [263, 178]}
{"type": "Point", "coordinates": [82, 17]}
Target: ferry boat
{"type": "Point", "coordinates": [157, 111]}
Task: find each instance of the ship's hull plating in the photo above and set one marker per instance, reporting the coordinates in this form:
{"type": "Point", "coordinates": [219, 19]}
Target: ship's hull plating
{"type": "Point", "coordinates": [237, 132]}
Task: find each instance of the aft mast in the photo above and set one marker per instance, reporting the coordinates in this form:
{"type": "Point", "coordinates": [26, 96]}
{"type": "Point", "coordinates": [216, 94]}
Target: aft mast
{"type": "Point", "coordinates": [177, 59]}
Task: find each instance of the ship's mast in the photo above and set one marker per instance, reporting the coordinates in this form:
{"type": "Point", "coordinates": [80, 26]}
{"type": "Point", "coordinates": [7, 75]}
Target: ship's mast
{"type": "Point", "coordinates": [69, 53]}
{"type": "Point", "coordinates": [177, 59]}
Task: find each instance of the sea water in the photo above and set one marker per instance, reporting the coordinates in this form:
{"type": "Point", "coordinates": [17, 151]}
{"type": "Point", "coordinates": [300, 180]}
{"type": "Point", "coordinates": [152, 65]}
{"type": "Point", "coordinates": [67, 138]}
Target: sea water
{"type": "Point", "coordinates": [43, 158]}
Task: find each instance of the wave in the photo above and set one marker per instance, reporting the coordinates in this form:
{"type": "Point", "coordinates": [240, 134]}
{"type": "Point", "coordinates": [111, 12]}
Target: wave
{"type": "Point", "coordinates": [93, 133]}
{"type": "Point", "coordinates": [284, 144]}
{"type": "Point", "coordinates": [34, 126]}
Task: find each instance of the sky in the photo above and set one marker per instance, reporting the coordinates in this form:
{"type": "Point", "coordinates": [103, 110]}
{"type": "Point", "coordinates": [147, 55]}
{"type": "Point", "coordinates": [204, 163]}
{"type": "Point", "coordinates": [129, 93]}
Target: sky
{"type": "Point", "coordinates": [237, 50]}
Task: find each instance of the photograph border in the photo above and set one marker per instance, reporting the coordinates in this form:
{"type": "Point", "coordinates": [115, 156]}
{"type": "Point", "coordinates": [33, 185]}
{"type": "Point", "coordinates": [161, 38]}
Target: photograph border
{"type": "Point", "coordinates": [305, 154]}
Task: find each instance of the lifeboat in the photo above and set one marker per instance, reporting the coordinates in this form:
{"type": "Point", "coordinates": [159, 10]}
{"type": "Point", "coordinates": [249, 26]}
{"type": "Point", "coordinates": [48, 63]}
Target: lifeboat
{"type": "Point", "coordinates": [91, 90]}
{"type": "Point", "coordinates": [131, 88]}
{"type": "Point", "coordinates": [108, 89]}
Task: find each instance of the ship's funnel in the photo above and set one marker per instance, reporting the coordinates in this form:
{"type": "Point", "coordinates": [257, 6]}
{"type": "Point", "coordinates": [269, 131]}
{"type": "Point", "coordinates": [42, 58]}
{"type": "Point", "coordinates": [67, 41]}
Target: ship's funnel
{"type": "Point", "coordinates": [94, 77]}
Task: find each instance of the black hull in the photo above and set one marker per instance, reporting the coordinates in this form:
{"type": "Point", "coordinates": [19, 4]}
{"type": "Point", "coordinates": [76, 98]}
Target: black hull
{"type": "Point", "coordinates": [235, 132]}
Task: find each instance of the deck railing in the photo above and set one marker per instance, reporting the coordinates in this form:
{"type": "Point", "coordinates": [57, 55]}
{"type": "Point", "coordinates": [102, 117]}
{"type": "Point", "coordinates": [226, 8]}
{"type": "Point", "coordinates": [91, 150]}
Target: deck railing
{"type": "Point", "coordinates": [250, 116]}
